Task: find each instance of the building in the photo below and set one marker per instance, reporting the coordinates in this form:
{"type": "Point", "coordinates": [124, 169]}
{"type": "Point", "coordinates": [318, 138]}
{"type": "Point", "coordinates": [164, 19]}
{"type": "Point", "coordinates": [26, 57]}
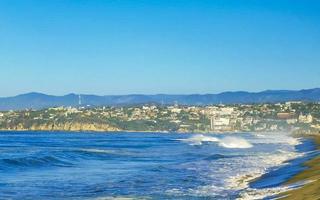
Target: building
{"type": "Point", "coordinates": [291, 121]}
{"type": "Point", "coordinates": [307, 119]}
{"type": "Point", "coordinates": [285, 115]}
{"type": "Point", "coordinates": [219, 123]}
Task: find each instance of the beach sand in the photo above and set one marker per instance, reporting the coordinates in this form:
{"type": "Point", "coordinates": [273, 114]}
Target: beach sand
{"type": "Point", "coordinates": [311, 190]}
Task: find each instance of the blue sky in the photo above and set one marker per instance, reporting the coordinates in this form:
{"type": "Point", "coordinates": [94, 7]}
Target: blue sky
{"type": "Point", "coordinates": [168, 46]}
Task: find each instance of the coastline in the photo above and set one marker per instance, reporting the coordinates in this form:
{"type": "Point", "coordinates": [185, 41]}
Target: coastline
{"type": "Point", "coordinates": [102, 131]}
{"type": "Point", "coordinates": [309, 178]}
{"type": "Point", "coordinates": [106, 131]}
{"type": "Point", "coordinates": [298, 179]}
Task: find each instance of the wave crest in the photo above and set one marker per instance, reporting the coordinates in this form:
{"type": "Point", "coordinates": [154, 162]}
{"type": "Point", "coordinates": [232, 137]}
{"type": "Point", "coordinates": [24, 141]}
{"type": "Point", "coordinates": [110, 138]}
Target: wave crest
{"type": "Point", "coordinates": [33, 161]}
{"type": "Point", "coordinates": [234, 142]}
{"type": "Point", "coordinates": [226, 142]}
{"type": "Point", "coordinates": [199, 139]}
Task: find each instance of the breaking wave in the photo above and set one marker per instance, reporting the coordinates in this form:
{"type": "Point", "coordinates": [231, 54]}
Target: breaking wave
{"type": "Point", "coordinates": [199, 139]}
{"type": "Point", "coordinates": [281, 138]}
{"type": "Point", "coordinates": [234, 142]}
{"type": "Point", "coordinates": [226, 142]}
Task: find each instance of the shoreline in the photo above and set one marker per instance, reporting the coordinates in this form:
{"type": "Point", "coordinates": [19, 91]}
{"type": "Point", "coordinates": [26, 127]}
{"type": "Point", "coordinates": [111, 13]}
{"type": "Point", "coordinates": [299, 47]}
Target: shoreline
{"type": "Point", "coordinates": [298, 179]}
{"type": "Point", "coordinates": [135, 131]}
{"type": "Point", "coordinates": [309, 178]}
{"type": "Point", "coordinates": [269, 182]}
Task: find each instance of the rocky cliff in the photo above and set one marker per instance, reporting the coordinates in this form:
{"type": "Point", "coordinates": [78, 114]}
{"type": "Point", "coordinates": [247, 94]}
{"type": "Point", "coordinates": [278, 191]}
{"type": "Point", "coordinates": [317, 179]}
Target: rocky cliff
{"type": "Point", "coordinates": [68, 126]}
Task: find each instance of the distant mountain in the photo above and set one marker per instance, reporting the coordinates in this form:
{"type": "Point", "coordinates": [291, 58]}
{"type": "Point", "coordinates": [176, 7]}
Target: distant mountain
{"type": "Point", "coordinates": [39, 101]}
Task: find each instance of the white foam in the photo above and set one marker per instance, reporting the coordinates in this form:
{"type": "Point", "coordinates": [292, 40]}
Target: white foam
{"type": "Point", "coordinates": [275, 138]}
{"type": "Point", "coordinates": [105, 151]}
{"type": "Point", "coordinates": [260, 165]}
{"type": "Point", "coordinates": [233, 175]}
{"type": "Point", "coordinates": [234, 142]}
{"type": "Point", "coordinates": [199, 139]}
{"type": "Point", "coordinates": [227, 142]}
{"type": "Point", "coordinates": [253, 194]}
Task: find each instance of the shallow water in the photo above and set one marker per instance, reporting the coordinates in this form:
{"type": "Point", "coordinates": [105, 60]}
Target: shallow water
{"type": "Point", "coordinates": [38, 165]}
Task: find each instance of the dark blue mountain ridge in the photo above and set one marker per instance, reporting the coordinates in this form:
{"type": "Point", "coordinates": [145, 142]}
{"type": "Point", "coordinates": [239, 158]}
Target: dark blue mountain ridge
{"type": "Point", "coordinates": [36, 100]}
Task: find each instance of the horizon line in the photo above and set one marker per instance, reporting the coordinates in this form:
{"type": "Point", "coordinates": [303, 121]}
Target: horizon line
{"type": "Point", "coordinates": [155, 94]}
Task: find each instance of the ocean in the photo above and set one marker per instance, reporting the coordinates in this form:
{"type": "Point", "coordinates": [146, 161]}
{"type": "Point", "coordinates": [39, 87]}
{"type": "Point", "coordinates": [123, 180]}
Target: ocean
{"type": "Point", "coordinates": [61, 165]}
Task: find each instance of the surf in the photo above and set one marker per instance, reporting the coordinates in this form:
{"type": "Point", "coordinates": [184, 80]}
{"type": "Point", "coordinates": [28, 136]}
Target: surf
{"type": "Point", "coordinates": [235, 143]}
{"type": "Point", "coordinates": [231, 142]}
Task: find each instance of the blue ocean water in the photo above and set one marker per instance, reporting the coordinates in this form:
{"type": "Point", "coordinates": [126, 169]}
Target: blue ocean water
{"type": "Point", "coordinates": [59, 165]}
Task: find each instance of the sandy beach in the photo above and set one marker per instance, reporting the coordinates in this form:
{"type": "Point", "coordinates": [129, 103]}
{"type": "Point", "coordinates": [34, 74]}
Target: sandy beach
{"type": "Point", "coordinates": [311, 175]}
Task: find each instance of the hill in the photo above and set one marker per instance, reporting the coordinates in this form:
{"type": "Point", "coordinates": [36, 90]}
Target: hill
{"type": "Point", "coordinates": [38, 100]}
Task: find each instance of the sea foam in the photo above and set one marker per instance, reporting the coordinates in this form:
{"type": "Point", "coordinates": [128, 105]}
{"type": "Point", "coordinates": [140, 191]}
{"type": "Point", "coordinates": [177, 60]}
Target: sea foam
{"type": "Point", "coordinates": [275, 138]}
{"type": "Point", "coordinates": [226, 142]}
{"type": "Point", "coordinates": [199, 139]}
{"type": "Point", "coordinates": [238, 172]}
{"type": "Point", "coordinates": [234, 142]}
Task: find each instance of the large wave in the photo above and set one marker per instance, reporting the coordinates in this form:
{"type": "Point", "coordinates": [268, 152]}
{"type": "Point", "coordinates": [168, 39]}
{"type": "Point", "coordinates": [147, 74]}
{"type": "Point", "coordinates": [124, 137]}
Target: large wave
{"type": "Point", "coordinates": [234, 142]}
{"type": "Point", "coordinates": [275, 138]}
{"type": "Point", "coordinates": [199, 139]}
{"type": "Point", "coordinates": [226, 142]}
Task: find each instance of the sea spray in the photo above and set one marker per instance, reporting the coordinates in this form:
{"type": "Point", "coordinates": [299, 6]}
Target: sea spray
{"type": "Point", "coordinates": [199, 139]}
{"type": "Point", "coordinates": [275, 138]}
{"type": "Point", "coordinates": [227, 142]}
{"type": "Point", "coordinates": [234, 143]}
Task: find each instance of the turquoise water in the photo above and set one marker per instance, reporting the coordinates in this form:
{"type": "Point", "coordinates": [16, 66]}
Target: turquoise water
{"type": "Point", "coordinates": [58, 165]}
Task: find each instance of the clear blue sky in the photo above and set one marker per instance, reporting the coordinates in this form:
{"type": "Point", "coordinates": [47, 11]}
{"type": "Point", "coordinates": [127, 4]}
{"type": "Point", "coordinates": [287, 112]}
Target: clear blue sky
{"type": "Point", "coordinates": [167, 46]}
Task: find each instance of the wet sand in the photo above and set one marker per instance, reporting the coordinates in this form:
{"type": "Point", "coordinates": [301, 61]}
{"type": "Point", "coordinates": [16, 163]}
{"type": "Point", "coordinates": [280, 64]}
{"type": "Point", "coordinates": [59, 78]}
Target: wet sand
{"type": "Point", "coordinates": [311, 175]}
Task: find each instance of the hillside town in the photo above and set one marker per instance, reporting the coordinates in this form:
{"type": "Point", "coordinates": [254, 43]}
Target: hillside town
{"type": "Point", "coordinates": [288, 116]}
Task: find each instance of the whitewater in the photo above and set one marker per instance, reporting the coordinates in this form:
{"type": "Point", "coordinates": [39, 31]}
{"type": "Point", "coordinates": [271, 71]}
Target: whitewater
{"type": "Point", "coordinates": [36, 165]}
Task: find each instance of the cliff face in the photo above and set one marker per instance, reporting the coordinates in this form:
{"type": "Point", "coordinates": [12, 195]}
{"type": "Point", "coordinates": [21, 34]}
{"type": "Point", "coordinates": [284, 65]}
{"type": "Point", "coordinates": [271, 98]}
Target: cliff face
{"type": "Point", "coordinates": [68, 126]}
